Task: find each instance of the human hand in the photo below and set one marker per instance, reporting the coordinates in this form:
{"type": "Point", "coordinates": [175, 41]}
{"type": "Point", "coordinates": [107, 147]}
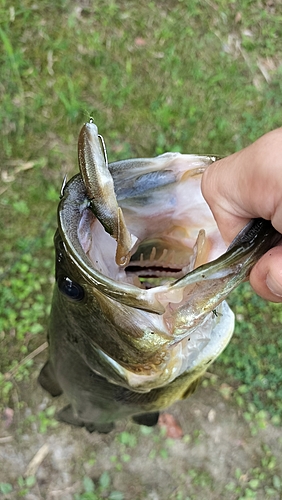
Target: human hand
{"type": "Point", "coordinates": [246, 185]}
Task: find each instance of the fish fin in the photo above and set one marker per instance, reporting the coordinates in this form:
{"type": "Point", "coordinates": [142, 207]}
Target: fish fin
{"type": "Point", "coordinates": [48, 381]}
{"type": "Point", "coordinates": [67, 415]}
{"type": "Point", "coordinates": [148, 419]}
{"type": "Point", "coordinates": [191, 389]}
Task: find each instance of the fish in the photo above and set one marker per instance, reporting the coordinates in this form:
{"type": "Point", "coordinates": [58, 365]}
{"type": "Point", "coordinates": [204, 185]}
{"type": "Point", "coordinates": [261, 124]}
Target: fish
{"type": "Point", "coordinates": [142, 274]}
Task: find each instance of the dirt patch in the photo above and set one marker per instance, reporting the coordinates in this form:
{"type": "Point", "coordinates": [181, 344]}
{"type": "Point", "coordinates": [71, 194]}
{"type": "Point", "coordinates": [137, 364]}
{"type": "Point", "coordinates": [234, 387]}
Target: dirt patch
{"type": "Point", "coordinates": [217, 457]}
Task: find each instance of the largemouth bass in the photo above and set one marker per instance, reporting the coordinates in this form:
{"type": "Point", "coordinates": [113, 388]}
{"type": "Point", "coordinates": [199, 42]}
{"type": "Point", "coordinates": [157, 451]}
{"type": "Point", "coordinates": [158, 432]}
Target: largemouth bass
{"type": "Point", "coordinates": [138, 311]}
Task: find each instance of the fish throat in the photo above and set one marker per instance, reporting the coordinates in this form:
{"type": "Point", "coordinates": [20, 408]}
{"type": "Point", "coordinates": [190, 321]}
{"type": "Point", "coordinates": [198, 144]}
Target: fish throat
{"type": "Point", "coordinates": [155, 264]}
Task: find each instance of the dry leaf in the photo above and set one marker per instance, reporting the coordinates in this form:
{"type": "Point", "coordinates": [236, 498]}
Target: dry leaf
{"type": "Point", "coordinates": [173, 429]}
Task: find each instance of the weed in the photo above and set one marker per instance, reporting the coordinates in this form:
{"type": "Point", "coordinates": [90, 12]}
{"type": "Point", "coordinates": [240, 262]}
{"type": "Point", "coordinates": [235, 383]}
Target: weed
{"type": "Point", "coordinates": [253, 358]}
{"type": "Point", "coordinates": [99, 492]}
{"type": "Point", "coordinates": [127, 439]}
{"type": "Point", "coordinates": [25, 485]}
{"type": "Point", "coordinates": [5, 488]}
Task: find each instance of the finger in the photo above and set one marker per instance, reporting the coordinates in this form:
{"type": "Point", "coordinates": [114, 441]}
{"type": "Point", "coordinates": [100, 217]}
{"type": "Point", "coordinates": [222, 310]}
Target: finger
{"type": "Point", "coordinates": [230, 226]}
{"type": "Point", "coordinates": [266, 276]}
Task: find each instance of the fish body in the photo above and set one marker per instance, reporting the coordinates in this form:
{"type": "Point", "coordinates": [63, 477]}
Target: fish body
{"type": "Point", "coordinates": [138, 311]}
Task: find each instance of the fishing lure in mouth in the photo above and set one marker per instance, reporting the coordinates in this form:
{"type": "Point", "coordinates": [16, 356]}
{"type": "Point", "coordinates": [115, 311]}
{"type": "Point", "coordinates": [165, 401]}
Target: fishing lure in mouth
{"type": "Point", "coordinates": [142, 274]}
{"type": "Point", "coordinates": [93, 164]}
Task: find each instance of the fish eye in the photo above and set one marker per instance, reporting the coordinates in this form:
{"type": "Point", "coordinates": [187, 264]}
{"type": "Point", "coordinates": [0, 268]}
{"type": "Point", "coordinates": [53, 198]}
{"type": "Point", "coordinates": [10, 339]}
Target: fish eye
{"type": "Point", "coordinates": [70, 289]}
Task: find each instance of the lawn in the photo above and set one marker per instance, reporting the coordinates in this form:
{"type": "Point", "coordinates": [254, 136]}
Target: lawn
{"type": "Point", "coordinates": [191, 76]}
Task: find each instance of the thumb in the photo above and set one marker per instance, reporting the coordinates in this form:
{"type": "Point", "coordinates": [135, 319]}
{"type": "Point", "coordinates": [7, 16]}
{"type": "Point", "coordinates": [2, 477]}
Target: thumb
{"type": "Point", "coordinates": [266, 275]}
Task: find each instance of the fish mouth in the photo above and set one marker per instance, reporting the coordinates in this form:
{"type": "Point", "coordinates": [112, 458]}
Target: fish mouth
{"type": "Point", "coordinates": [164, 224]}
{"type": "Point", "coordinates": [144, 299]}
{"type": "Point", "coordinates": [166, 304]}
{"type": "Point", "coordinates": [177, 261]}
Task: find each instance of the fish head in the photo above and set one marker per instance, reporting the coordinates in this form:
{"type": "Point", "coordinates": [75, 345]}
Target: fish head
{"type": "Point", "coordinates": [159, 312]}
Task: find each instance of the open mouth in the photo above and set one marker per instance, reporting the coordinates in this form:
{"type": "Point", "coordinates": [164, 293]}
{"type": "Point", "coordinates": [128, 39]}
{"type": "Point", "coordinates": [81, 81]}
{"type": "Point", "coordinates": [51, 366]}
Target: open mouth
{"type": "Point", "coordinates": [154, 261]}
{"type": "Point", "coordinates": [152, 209]}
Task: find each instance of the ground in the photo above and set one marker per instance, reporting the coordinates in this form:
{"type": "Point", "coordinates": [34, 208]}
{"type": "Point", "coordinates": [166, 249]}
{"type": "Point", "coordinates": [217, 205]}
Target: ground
{"type": "Point", "coordinates": [216, 457]}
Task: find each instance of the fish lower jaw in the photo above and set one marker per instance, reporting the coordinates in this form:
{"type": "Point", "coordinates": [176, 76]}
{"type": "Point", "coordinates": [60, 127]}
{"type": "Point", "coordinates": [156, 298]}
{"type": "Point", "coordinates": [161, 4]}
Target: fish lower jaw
{"type": "Point", "coordinates": [193, 354]}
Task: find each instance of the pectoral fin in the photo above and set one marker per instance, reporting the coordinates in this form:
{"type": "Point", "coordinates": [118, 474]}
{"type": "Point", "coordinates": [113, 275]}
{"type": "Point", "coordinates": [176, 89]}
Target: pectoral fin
{"type": "Point", "coordinates": [148, 419]}
{"type": "Point", "coordinates": [67, 415]}
{"type": "Point", "coordinates": [48, 381]}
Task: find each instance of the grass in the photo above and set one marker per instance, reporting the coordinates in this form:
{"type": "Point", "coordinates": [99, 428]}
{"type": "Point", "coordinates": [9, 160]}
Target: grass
{"type": "Point", "coordinates": [253, 358]}
{"type": "Point", "coordinates": [92, 492]}
{"type": "Point", "coordinates": [190, 76]}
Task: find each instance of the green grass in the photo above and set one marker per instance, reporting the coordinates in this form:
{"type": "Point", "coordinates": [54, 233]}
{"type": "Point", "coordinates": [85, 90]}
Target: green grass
{"type": "Point", "coordinates": [253, 357]}
{"type": "Point", "coordinates": [193, 76]}
{"type": "Point", "coordinates": [187, 84]}
{"type": "Point", "coordinates": [93, 492]}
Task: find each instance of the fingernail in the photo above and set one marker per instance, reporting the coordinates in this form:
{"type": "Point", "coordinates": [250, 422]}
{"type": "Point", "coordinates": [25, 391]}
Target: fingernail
{"type": "Point", "coordinates": [273, 285]}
